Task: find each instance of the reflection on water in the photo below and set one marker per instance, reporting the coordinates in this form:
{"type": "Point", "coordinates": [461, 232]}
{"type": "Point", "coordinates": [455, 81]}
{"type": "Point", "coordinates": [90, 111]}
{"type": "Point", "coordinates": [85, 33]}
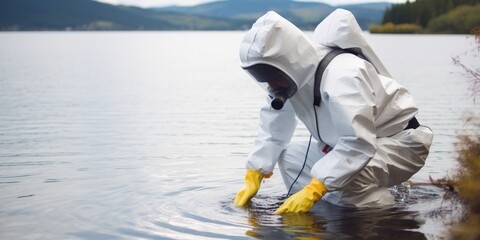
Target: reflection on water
{"type": "Point", "coordinates": [327, 221]}
{"type": "Point", "coordinates": [144, 136]}
{"type": "Point", "coordinates": [330, 222]}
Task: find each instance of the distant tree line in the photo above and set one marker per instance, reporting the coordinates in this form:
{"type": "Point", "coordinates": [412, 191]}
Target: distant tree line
{"type": "Point", "coordinates": [421, 12]}
{"type": "Point", "coordinates": [432, 16]}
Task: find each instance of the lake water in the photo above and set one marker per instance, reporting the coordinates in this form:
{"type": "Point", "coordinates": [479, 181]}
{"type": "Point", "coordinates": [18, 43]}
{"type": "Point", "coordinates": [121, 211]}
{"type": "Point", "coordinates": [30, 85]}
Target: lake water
{"type": "Point", "coordinates": [144, 135]}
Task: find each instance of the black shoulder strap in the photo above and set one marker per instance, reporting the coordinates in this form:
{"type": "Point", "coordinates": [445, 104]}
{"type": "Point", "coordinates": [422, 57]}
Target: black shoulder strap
{"type": "Point", "coordinates": [317, 98]}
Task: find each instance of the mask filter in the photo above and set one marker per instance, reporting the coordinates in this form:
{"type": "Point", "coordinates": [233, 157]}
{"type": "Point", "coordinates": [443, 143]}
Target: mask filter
{"type": "Point", "coordinates": [277, 103]}
{"type": "Point", "coordinates": [278, 100]}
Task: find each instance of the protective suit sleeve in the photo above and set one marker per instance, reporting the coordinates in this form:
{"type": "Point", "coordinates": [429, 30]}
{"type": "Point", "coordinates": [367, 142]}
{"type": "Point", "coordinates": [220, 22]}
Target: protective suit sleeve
{"type": "Point", "coordinates": [347, 93]}
{"type": "Point", "coordinates": [275, 132]}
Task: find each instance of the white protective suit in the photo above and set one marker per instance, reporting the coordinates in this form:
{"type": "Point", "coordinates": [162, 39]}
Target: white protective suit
{"type": "Point", "coordinates": [362, 115]}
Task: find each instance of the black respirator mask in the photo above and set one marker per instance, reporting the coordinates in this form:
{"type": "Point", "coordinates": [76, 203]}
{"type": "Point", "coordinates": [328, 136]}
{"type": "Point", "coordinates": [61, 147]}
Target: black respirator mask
{"type": "Point", "coordinates": [277, 83]}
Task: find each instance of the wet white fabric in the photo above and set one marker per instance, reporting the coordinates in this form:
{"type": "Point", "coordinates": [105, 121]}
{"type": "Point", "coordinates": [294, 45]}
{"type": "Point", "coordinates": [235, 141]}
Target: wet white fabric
{"type": "Point", "coordinates": [397, 158]}
{"type": "Point", "coordinates": [359, 107]}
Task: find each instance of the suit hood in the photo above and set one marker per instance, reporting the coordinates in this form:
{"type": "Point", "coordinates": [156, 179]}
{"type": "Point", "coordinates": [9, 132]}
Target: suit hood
{"type": "Point", "coordinates": [341, 30]}
{"type": "Point", "coordinates": [275, 41]}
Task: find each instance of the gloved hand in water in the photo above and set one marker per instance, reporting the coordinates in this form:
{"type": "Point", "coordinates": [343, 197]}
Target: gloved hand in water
{"type": "Point", "coordinates": [303, 200]}
{"type": "Point", "coordinates": [252, 184]}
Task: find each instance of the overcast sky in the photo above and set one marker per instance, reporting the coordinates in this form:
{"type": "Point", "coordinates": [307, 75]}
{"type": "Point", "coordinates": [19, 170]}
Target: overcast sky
{"type": "Point", "coordinates": [154, 3]}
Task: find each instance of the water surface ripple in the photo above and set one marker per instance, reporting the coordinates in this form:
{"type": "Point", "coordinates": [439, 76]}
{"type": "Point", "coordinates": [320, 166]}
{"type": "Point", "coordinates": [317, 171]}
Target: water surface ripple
{"type": "Point", "coordinates": [144, 135]}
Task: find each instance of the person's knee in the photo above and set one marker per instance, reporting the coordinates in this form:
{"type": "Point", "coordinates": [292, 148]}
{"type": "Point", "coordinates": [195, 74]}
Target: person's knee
{"type": "Point", "coordinates": [361, 196]}
{"type": "Point", "coordinates": [287, 164]}
{"type": "Point", "coordinates": [293, 167]}
{"type": "Point", "coordinates": [289, 158]}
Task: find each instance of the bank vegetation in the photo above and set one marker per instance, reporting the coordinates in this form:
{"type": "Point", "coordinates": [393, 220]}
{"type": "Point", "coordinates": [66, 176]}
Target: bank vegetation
{"type": "Point", "coordinates": [430, 16]}
{"type": "Point", "coordinates": [466, 179]}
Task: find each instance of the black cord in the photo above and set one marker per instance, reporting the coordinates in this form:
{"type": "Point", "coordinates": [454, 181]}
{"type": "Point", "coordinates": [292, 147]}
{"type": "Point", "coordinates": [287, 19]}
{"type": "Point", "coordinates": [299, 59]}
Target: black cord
{"type": "Point", "coordinates": [301, 170]}
{"type": "Point", "coordinates": [306, 154]}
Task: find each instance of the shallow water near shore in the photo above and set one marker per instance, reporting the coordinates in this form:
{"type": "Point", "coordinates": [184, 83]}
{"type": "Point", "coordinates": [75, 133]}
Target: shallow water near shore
{"type": "Point", "coordinates": [144, 135]}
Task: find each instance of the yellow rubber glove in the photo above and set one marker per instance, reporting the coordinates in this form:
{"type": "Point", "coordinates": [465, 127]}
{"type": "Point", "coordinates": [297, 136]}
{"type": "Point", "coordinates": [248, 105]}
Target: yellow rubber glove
{"type": "Point", "coordinates": [252, 184]}
{"type": "Point", "coordinates": [303, 200]}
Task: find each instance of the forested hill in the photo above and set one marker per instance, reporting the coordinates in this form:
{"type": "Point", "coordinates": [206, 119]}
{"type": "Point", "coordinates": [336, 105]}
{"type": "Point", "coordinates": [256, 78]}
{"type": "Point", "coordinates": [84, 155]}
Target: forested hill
{"type": "Point", "coordinates": [221, 15]}
{"type": "Point", "coordinates": [92, 15]}
{"type": "Point", "coordinates": [304, 14]}
{"type": "Point", "coordinates": [434, 16]}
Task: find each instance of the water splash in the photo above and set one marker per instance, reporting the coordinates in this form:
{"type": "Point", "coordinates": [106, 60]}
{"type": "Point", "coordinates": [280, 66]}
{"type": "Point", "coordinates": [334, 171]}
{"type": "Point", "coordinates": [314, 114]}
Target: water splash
{"type": "Point", "coordinates": [400, 192]}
